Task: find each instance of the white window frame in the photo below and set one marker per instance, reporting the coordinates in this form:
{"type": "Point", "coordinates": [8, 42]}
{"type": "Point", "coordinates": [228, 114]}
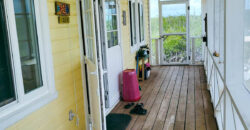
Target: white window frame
{"type": "Point", "coordinates": [25, 104]}
{"type": "Point", "coordinates": [118, 24]}
{"type": "Point", "coordinates": [137, 43]}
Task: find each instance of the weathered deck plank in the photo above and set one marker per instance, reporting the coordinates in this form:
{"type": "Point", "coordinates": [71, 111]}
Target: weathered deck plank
{"type": "Point", "coordinates": [190, 112]}
{"type": "Point", "coordinates": [176, 98]}
{"type": "Point", "coordinates": [160, 120]}
{"type": "Point", "coordinates": [154, 111]}
{"type": "Point", "coordinates": [181, 111]}
{"type": "Point", "coordinates": [199, 107]}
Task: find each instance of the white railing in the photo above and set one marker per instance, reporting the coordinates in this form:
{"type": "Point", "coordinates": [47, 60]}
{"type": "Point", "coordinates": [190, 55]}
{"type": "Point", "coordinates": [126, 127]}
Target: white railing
{"type": "Point", "coordinates": [225, 109]}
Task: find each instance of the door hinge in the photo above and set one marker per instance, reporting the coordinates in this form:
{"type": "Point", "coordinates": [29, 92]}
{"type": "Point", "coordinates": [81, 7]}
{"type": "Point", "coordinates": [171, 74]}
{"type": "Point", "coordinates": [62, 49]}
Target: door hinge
{"type": "Point", "coordinates": [106, 95]}
{"type": "Point", "coordinates": [84, 60]}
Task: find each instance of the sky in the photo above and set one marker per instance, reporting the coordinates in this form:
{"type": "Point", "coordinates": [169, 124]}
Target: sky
{"type": "Point", "coordinates": [174, 10]}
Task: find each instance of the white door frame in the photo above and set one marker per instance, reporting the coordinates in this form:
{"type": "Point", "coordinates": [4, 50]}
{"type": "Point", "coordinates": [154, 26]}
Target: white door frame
{"type": "Point", "coordinates": [100, 60]}
{"type": "Point", "coordinates": [187, 31]}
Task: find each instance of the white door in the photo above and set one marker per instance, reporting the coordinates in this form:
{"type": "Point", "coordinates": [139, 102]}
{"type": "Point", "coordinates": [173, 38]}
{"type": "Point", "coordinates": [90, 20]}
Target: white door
{"type": "Point", "coordinates": [91, 65]}
{"type": "Point", "coordinates": [114, 51]}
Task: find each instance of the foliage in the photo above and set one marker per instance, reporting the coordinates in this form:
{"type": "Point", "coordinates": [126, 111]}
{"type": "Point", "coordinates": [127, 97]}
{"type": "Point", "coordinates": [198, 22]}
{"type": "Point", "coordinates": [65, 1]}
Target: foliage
{"type": "Point", "coordinates": [174, 24]}
{"type": "Point", "coordinates": [175, 46]}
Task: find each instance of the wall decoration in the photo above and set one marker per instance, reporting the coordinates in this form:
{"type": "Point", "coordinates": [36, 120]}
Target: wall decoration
{"type": "Point", "coordinates": [63, 12]}
{"type": "Point", "coordinates": [63, 19]}
{"type": "Point", "coordinates": [62, 9]}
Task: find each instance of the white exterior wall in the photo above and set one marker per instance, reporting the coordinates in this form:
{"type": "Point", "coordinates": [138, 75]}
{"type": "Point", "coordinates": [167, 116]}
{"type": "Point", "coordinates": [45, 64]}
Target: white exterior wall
{"type": "Point", "coordinates": [232, 106]}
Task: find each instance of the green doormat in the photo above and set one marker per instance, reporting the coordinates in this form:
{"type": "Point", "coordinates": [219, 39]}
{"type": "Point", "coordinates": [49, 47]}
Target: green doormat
{"type": "Point", "coordinates": [117, 121]}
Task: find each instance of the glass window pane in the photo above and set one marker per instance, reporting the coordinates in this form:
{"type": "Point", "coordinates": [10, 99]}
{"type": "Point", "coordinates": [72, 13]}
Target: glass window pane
{"type": "Point", "coordinates": [7, 93]}
{"type": "Point", "coordinates": [108, 22]}
{"type": "Point", "coordinates": [28, 44]}
{"type": "Point", "coordinates": [110, 6]}
{"type": "Point", "coordinates": [89, 49]}
{"type": "Point", "coordinates": [88, 30]}
{"type": "Point", "coordinates": [111, 22]}
{"type": "Point", "coordinates": [139, 18]}
{"type": "Point", "coordinates": [109, 39]}
{"type": "Point", "coordinates": [113, 6]}
{"type": "Point", "coordinates": [115, 37]}
{"type": "Point", "coordinates": [141, 23]}
{"type": "Point", "coordinates": [132, 23]}
{"type": "Point", "coordinates": [114, 22]}
{"type": "Point", "coordinates": [112, 38]}
{"type": "Point", "coordinates": [86, 4]}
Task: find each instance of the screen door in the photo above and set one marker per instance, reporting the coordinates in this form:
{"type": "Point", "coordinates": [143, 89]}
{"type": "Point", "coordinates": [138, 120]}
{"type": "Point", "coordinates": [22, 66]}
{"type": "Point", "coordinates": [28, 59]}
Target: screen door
{"type": "Point", "coordinates": [174, 32]}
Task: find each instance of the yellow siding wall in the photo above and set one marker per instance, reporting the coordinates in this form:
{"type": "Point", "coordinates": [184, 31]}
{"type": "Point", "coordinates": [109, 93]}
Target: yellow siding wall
{"type": "Point", "coordinates": [146, 22]}
{"type": "Point", "coordinates": [67, 68]}
{"type": "Point", "coordinates": [129, 61]}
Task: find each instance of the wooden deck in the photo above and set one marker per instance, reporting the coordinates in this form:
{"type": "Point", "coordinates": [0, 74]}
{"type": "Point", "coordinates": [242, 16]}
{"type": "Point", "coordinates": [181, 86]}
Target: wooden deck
{"type": "Point", "coordinates": [176, 99]}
